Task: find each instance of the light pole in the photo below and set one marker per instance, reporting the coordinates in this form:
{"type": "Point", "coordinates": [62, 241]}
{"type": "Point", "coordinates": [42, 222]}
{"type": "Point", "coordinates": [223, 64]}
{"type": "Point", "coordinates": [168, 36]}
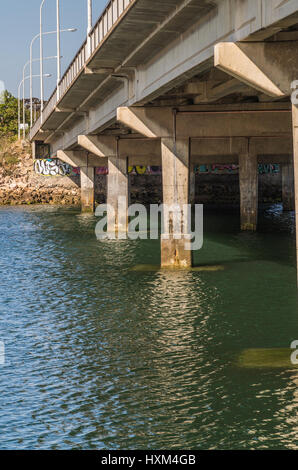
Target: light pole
{"type": "Point", "coordinates": [41, 51]}
{"type": "Point", "coordinates": [41, 58]}
{"type": "Point", "coordinates": [58, 47]}
{"type": "Point", "coordinates": [30, 76]}
{"type": "Point", "coordinates": [89, 27]}
{"type": "Point", "coordinates": [19, 100]}
{"type": "Point", "coordinates": [69, 30]}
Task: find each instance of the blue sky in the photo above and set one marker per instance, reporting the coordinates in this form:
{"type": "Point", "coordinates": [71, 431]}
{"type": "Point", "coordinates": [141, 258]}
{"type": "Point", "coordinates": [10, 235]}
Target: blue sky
{"type": "Point", "coordinates": [19, 22]}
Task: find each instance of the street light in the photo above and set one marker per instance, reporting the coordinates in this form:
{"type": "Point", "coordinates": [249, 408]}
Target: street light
{"type": "Point", "coordinates": [58, 47]}
{"type": "Point", "coordinates": [89, 27]}
{"type": "Point", "coordinates": [41, 57]}
{"type": "Point", "coordinates": [24, 68]}
{"type": "Point", "coordinates": [69, 30]}
{"type": "Point", "coordinates": [41, 49]}
{"type": "Point", "coordinates": [19, 102]}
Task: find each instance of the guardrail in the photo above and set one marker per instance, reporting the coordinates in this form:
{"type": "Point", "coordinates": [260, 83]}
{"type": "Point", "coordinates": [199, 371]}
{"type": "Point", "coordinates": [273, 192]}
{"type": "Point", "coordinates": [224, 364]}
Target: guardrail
{"type": "Point", "coordinates": [113, 11]}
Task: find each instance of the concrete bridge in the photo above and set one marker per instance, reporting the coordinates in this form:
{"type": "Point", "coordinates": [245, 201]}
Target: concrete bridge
{"type": "Point", "coordinates": [177, 83]}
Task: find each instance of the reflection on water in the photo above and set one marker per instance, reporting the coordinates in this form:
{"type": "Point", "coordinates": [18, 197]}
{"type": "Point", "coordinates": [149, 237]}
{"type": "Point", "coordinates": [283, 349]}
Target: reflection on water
{"type": "Point", "coordinates": [101, 356]}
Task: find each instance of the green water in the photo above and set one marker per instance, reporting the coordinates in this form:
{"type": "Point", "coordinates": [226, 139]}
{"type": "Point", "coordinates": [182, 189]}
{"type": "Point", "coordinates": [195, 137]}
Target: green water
{"type": "Point", "coordinates": [101, 356]}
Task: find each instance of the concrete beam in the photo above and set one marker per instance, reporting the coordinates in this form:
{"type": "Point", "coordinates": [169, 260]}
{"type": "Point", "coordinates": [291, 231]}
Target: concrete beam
{"type": "Point", "coordinates": [150, 122]}
{"type": "Point", "coordinates": [101, 146]}
{"type": "Point", "coordinates": [227, 88]}
{"type": "Point", "coordinates": [136, 149]}
{"type": "Point", "coordinates": [275, 145]}
{"type": "Point", "coordinates": [269, 67]}
{"type": "Point", "coordinates": [80, 159]}
{"type": "Point", "coordinates": [98, 71]}
{"type": "Point", "coordinates": [154, 122]}
{"type": "Point", "coordinates": [217, 147]}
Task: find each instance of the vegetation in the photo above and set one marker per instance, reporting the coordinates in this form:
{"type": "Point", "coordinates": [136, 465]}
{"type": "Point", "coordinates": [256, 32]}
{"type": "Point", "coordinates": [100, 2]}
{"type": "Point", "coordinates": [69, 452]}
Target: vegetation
{"type": "Point", "coordinates": [9, 154]}
{"type": "Point", "coordinates": [9, 150]}
{"type": "Point", "coordinates": [8, 116]}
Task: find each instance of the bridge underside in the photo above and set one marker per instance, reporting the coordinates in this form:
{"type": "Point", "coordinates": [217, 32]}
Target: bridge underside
{"type": "Point", "coordinates": [229, 103]}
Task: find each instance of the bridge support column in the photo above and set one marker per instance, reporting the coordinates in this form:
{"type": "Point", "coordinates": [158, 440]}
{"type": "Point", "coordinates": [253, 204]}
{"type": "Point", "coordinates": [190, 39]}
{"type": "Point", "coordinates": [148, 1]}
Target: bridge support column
{"type": "Point", "coordinates": [118, 195]}
{"type": "Point", "coordinates": [288, 195]}
{"type": "Point", "coordinates": [192, 184]}
{"type": "Point", "coordinates": [87, 164]}
{"type": "Point", "coordinates": [176, 165]}
{"type": "Point", "coordinates": [87, 189]}
{"type": "Point", "coordinates": [248, 179]}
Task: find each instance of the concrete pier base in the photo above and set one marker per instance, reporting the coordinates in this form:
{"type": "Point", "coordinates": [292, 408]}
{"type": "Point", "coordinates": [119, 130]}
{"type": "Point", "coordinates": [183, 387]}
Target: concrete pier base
{"type": "Point", "coordinates": [87, 189]}
{"type": "Point", "coordinates": [248, 179]}
{"type": "Point", "coordinates": [176, 165]}
{"type": "Point", "coordinates": [118, 195]}
{"type": "Point", "coordinates": [288, 195]}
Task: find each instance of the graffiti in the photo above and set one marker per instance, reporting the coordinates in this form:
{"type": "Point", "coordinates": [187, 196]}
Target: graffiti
{"type": "Point", "coordinates": [102, 170]}
{"type": "Point", "coordinates": [216, 168]}
{"type": "Point", "coordinates": [269, 169]}
{"type": "Point", "coordinates": [52, 167]}
{"type": "Point", "coordinates": [234, 169]}
{"type": "Point", "coordinates": [144, 170]}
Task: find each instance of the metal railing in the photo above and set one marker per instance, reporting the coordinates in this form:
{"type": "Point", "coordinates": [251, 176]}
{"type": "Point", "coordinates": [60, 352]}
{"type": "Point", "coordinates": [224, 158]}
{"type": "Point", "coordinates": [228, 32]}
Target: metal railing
{"type": "Point", "coordinates": [113, 11]}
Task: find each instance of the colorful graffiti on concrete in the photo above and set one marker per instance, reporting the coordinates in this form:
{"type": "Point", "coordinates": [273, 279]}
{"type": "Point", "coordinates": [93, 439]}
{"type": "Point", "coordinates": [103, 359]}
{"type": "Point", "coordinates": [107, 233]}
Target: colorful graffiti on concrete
{"type": "Point", "coordinates": [234, 169]}
{"type": "Point", "coordinates": [269, 168]}
{"type": "Point", "coordinates": [52, 167]}
{"type": "Point", "coordinates": [102, 170]}
{"type": "Point", "coordinates": [144, 170]}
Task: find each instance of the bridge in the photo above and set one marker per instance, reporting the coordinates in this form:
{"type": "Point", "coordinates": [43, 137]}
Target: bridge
{"type": "Point", "coordinates": [177, 83]}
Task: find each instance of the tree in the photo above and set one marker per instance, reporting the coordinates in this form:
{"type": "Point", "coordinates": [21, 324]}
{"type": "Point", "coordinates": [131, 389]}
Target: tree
{"type": "Point", "coordinates": [8, 115]}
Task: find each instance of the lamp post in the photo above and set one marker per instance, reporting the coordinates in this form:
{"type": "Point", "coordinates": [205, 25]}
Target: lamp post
{"type": "Point", "coordinates": [69, 30]}
{"type": "Point", "coordinates": [19, 101]}
{"type": "Point", "coordinates": [89, 27]}
{"type": "Point", "coordinates": [58, 48]}
{"type": "Point", "coordinates": [41, 51]}
{"type": "Point", "coordinates": [30, 76]}
{"type": "Point", "coordinates": [41, 57]}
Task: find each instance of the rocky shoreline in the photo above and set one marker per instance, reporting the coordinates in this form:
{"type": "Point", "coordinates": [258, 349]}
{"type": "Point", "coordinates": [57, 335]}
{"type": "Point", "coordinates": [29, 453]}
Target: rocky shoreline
{"type": "Point", "coordinates": [20, 185]}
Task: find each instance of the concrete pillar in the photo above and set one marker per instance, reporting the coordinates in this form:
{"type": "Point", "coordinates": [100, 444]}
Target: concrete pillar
{"type": "Point", "coordinates": [176, 165]}
{"type": "Point", "coordinates": [288, 196]}
{"type": "Point", "coordinates": [295, 141]}
{"type": "Point", "coordinates": [192, 184]}
{"type": "Point", "coordinates": [248, 179]}
{"type": "Point", "coordinates": [118, 194]}
{"type": "Point", "coordinates": [87, 188]}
